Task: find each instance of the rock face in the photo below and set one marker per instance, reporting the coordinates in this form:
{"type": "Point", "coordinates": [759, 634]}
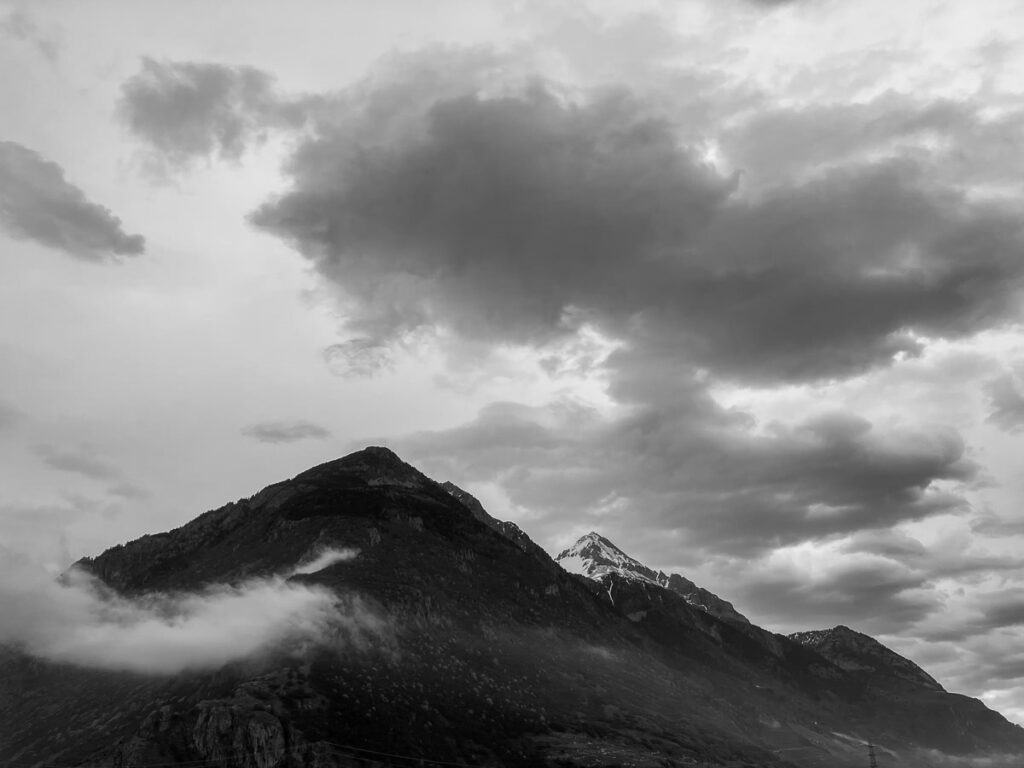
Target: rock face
{"type": "Point", "coordinates": [486, 653]}
{"type": "Point", "coordinates": [596, 557]}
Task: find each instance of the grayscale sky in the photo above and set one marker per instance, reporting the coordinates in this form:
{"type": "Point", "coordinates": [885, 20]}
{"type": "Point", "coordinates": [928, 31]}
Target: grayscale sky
{"type": "Point", "coordinates": [737, 284]}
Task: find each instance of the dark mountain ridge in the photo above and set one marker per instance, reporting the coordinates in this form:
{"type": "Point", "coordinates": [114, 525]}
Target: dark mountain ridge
{"type": "Point", "coordinates": [861, 654]}
{"type": "Point", "coordinates": [484, 652]}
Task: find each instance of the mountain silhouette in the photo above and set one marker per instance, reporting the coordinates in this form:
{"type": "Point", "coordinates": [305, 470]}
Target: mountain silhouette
{"type": "Point", "coordinates": [449, 637]}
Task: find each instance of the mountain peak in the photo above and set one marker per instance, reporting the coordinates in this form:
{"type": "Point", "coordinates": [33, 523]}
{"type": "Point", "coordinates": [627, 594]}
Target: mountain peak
{"type": "Point", "coordinates": [596, 557]}
{"type": "Point", "coordinates": [596, 538]}
{"type": "Point", "coordinates": [375, 464]}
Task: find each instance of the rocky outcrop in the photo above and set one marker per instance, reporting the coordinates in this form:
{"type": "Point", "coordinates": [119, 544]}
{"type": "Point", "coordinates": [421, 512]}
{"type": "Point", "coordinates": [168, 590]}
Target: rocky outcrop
{"type": "Point", "coordinates": [253, 738]}
{"type": "Point", "coordinates": [244, 730]}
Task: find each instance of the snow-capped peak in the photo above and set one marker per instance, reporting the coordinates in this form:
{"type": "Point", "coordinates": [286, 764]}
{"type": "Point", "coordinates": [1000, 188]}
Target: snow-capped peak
{"type": "Point", "coordinates": [596, 557]}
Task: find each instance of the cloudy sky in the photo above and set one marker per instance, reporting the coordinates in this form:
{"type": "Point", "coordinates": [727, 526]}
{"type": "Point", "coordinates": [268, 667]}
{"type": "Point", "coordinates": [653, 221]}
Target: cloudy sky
{"type": "Point", "coordinates": [736, 283]}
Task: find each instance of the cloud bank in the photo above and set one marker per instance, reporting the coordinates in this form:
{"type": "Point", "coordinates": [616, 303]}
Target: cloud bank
{"type": "Point", "coordinates": [439, 194]}
{"type": "Point", "coordinates": [38, 203]}
{"type": "Point", "coordinates": [80, 622]}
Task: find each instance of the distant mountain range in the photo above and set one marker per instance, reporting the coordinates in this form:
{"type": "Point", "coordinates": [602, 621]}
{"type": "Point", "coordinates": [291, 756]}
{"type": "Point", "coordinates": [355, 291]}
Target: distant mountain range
{"type": "Point", "coordinates": [459, 641]}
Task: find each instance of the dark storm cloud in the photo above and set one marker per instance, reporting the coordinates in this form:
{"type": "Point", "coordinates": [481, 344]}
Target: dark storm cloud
{"type": "Point", "coordinates": [285, 431]}
{"type": "Point", "coordinates": [188, 111]}
{"type": "Point", "coordinates": [38, 203]}
{"type": "Point", "coordinates": [1007, 403]}
{"type": "Point", "coordinates": [500, 217]}
{"type": "Point", "coordinates": [503, 214]}
{"type": "Point", "coordinates": [439, 193]}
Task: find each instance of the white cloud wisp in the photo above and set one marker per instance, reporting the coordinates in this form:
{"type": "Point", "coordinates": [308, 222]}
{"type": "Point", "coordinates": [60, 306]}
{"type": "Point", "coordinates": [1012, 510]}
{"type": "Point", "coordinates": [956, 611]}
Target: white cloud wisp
{"type": "Point", "coordinates": [76, 620]}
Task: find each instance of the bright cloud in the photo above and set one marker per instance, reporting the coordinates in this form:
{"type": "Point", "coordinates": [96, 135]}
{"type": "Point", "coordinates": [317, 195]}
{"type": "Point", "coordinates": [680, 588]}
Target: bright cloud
{"type": "Point", "coordinates": [78, 620]}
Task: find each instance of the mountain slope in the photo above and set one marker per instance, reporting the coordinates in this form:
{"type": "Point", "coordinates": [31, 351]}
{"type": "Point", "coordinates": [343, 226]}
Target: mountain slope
{"type": "Point", "coordinates": [860, 653]}
{"type": "Point", "coordinates": [474, 650]}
